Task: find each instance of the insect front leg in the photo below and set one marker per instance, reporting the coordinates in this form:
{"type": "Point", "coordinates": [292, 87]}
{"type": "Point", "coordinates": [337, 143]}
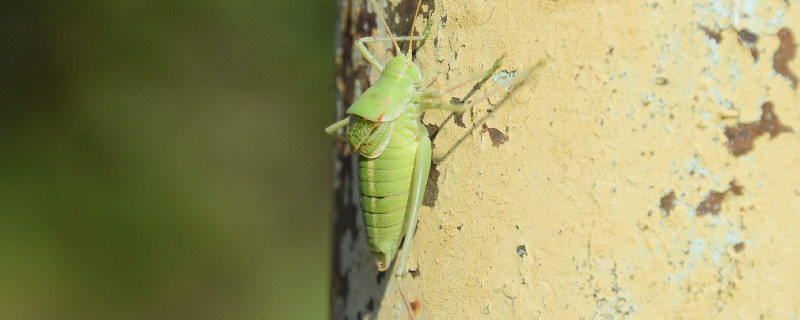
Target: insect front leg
{"type": "Point", "coordinates": [331, 129]}
{"type": "Point", "coordinates": [419, 179]}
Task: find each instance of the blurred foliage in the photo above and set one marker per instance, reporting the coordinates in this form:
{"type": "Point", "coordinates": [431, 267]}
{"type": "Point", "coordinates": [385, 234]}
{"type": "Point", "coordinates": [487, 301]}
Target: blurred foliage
{"type": "Point", "coordinates": [165, 159]}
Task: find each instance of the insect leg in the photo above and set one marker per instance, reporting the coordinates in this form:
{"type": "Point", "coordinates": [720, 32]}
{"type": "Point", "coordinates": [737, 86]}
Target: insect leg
{"type": "Point", "coordinates": [422, 165]}
{"type": "Point", "coordinates": [331, 129]}
{"type": "Point", "coordinates": [371, 57]}
{"type": "Point", "coordinates": [463, 107]}
{"type": "Point", "coordinates": [367, 54]}
{"type": "Point", "coordinates": [424, 35]}
{"type": "Point", "coordinates": [457, 108]}
{"type": "Point", "coordinates": [419, 179]}
{"type": "Point", "coordinates": [485, 74]}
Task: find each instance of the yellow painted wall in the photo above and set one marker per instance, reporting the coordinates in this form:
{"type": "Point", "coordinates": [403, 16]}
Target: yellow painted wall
{"type": "Point", "coordinates": [632, 104]}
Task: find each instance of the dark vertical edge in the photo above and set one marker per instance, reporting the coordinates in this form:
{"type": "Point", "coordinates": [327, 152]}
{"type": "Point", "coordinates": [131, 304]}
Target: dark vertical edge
{"type": "Point", "coordinates": [336, 281]}
{"type": "Point", "coordinates": [351, 76]}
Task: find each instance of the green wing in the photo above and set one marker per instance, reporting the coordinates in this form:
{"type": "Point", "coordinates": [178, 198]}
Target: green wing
{"type": "Point", "coordinates": [369, 138]}
{"type": "Point", "coordinates": [382, 102]}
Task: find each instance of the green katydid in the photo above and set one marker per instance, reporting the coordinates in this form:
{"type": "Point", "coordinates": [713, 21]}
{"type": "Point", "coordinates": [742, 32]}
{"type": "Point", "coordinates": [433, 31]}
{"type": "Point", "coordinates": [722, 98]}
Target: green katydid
{"type": "Point", "coordinates": [394, 150]}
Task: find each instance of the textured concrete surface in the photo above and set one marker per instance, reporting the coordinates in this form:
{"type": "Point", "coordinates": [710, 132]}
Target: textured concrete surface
{"type": "Point", "coordinates": [649, 170]}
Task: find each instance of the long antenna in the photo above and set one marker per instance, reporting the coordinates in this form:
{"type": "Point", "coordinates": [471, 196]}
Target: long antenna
{"type": "Point", "coordinates": [385, 25]}
{"type": "Point", "coordinates": [411, 32]}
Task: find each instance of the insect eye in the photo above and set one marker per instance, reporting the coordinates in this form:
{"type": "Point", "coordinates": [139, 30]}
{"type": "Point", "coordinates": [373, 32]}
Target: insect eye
{"type": "Point", "coordinates": [409, 64]}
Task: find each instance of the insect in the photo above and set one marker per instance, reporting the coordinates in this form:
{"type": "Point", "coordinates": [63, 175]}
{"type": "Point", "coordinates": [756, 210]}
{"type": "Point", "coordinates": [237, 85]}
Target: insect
{"type": "Point", "coordinates": [394, 150]}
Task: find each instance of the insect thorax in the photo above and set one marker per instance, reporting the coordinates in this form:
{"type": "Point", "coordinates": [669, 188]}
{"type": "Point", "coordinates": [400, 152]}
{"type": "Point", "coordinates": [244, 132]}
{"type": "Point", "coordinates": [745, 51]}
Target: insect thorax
{"type": "Point", "coordinates": [404, 66]}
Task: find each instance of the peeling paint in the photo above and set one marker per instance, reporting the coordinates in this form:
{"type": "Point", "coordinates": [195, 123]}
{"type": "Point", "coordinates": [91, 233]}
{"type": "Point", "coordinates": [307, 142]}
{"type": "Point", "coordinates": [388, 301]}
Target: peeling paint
{"type": "Point", "coordinates": [432, 189]}
{"type": "Point", "coordinates": [712, 203]}
{"type": "Point", "coordinates": [713, 35]}
{"type": "Point", "coordinates": [495, 135]}
{"type": "Point", "coordinates": [741, 137]}
{"type": "Point", "coordinates": [749, 40]}
{"type": "Point", "coordinates": [785, 53]}
{"type": "Point", "coordinates": [667, 203]}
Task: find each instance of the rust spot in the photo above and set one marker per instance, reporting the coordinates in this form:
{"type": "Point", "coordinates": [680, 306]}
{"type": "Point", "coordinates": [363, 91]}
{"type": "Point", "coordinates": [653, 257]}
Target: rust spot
{"type": "Point", "coordinates": [712, 203]}
{"type": "Point", "coordinates": [786, 51]}
{"type": "Point", "coordinates": [713, 35]}
{"type": "Point", "coordinates": [738, 247]}
{"type": "Point", "coordinates": [742, 135]}
{"type": "Point", "coordinates": [740, 138]}
{"type": "Point", "coordinates": [415, 306]}
{"type": "Point", "coordinates": [667, 203]}
{"type": "Point", "coordinates": [748, 40]}
{"type": "Point", "coordinates": [746, 37]}
{"type": "Point", "coordinates": [433, 130]}
{"type": "Point", "coordinates": [737, 189]}
{"type": "Point", "coordinates": [432, 188]}
{"type": "Point", "coordinates": [497, 137]}
{"type": "Point", "coordinates": [458, 118]}
{"type": "Point", "coordinates": [414, 273]}
{"type": "Point", "coordinates": [521, 250]}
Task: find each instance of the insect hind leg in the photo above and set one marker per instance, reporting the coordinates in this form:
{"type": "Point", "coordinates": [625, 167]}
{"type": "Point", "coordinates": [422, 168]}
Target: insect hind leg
{"type": "Point", "coordinates": [419, 179]}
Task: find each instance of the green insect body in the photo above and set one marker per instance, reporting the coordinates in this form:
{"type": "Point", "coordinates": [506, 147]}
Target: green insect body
{"type": "Point", "coordinates": [394, 150]}
{"type": "Point", "coordinates": [388, 146]}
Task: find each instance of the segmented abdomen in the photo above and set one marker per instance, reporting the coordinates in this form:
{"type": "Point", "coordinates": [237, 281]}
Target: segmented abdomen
{"type": "Point", "coordinates": [384, 183]}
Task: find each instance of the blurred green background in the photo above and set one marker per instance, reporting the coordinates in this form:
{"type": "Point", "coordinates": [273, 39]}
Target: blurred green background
{"type": "Point", "coordinates": [165, 159]}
